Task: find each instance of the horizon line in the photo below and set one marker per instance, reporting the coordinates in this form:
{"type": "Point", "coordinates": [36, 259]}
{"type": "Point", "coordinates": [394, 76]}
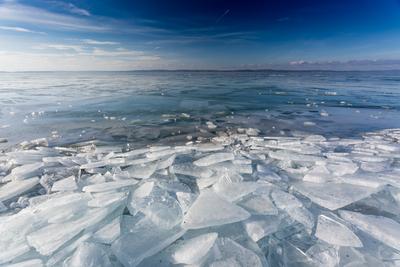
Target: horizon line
{"type": "Point", "coordinates": [206, 70]}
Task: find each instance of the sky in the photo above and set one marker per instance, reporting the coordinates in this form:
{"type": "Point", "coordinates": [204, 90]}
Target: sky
{"type": "Point", "coordinates": [52, 35]}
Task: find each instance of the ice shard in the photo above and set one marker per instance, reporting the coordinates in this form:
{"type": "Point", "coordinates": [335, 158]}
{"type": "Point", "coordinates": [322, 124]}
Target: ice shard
{"type": "Point", "coordinates": [192, 251]}
{"type": "Point", "coordinates": [381, 228]}
{"type": "Point", "coordinates": [335, 233]}
{"type": "Point", "coordinates": [144, 240]}
{"type": "Point", "coordinates": [90, 255]}
{"type": "Point", "coordinates": [333, 196]}
{"type": "Point", "coordinates": [210, 210]}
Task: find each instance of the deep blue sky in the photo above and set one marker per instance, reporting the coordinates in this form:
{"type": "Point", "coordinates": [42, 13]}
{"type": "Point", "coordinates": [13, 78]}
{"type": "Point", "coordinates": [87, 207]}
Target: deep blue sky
{"type": "Point", "coordinates": [122, 35]}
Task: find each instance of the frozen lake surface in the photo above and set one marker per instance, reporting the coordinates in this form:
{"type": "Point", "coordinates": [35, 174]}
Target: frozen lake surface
{"type": "Point", "coordinates": [143, 106]}
{"type": "Point", "coordinates": [214, 169]}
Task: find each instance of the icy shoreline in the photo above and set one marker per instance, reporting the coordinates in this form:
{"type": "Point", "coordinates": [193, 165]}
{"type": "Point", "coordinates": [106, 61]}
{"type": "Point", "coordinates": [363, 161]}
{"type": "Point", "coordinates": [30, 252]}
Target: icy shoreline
{"type": "Point", "coordinates": [238, 200]}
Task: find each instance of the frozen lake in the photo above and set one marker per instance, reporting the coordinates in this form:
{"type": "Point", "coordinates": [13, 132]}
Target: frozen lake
{"type": "Point", "coordinates": [138, 106]}
{"type": "Point", "coordinates": [265, 168]}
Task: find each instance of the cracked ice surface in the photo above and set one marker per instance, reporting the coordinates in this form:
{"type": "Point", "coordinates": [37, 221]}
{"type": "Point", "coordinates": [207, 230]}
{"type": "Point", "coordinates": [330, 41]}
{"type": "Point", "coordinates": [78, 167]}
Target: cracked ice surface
{"type": "Point", "coordinates": [237, 199]}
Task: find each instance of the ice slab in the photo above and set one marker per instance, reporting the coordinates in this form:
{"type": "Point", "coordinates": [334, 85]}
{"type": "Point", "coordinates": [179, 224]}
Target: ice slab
{"type": "Point", "coordinates": [192, 251]}
{"type": "Point", "coordinates": [142, 171]}
{"type": "Point", "coordinates": [335, 233]}
{"type": "Point", "coordinates": [209, 147]}
{"type": "Point", "coordinates": [259, 205]}
{"type": "Point", "coordinates": [227, 249]}
{"type": "Point", "coordinates": [58, 257]}
{"type": "Point", "coordinates": [22, 157]}
{"type": "Point", "coordinates": [290, 255]}
{"type": "Point", "coordinates": [318, 174]}
{"type": "Point", "coordinates": [364, 179]}
{"type": "Point", "coordinates": [257, 228]}
{"type": "Point", "coordinates": [352, 257]}
{"type": "Point", "coordinates": [49, 238]}
{"type": "Point", "coordinates": [333, 196]}
{"type": "Point", "coordinates": [210, 210]}
{"type": "Point", "coordinates": [11, 253]}
{"type": "Point", "coordinates": [266, 174]}
{"type": "Point", "coordinates": [324, 255]}
{"type": "Point", "coordinates": [172, 186]}
{"type": "Point", "coordinates": [139, 161]}
{"type": "Point", "coordinates": [340, 168]}
{"type": "Point", "coordinates": [2, 207]}
{"type": "Point", "coordinates": [90, 255]}
{"type": "Point", "coordinates": [107, 198]}
{"type": "Point", "coordinates": [24, 171]}
{"type": "Point", "coordinates": [375, 166]}
{"type": "Point", "coordinates": [16, 188]}
{"type": "Point", "coordinates": [213, 159]}
{"type": "Point", "coordinates": [109, 186]}
{"type": "Point", "coordinates": [381, 228]}
{"type": "Point", "coordinates": [66, 184]}
{"type": "Point", "coordinates": [28, 263]}
{"type": "Point", "coordinates": [293, 207]}
{"type": "Point", "coordinates": [160, 154]}
{"type": "Point", "coordinates": [229, 262]}
{"type": "Point", "coordinates": [161, 208]}
{"type": "Point", "coordinates": [192, 170]}
{"type": "Point", "coordinates": [133, 153]}
{"type": "Point", "coordinates": [185, 200]}
{"type": "Point", "coordinates": [165, 163]}
{"type": "Point", "coordinates": [203, 183]}
{"type": "Point", "coordinates": [48, 205]}
{"type": "Point", "coordinates": [288, 155]}
{"type": "Point", "coordinates": [144, 240]}
{"type": "Point", "coordinates": [109, 232]}
{"type": "Point", "coordinates": [235, 191]}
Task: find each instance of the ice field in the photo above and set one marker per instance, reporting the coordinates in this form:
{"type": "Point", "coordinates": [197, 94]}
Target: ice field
{"type": "Point", "coordinates": [240, 200]}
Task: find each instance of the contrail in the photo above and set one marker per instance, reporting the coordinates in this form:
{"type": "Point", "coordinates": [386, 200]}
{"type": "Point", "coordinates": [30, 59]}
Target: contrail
{"type": "Point", "coordinates": [223, 15]}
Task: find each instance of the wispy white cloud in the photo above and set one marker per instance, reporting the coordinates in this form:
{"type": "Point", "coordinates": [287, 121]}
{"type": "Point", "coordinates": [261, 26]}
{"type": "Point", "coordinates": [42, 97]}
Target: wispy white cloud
{"type": "Point", "coordinates": [76, 10]}
{"type": "Point", "coordinates": [78, 19]}
{"type": "Point", "coordinates": [148, 58]}
{"type": "Point", "coordinates": [23, 61]}
{"type": "Point", "coordinates": [96, 42]}
{"type": "Point", "coordinates": [19, 29]}
{"type": "Point", "coordinates": [199, 38]}
{"type": "Point", "coordinates": [117, 53]}
{"type": "Point", "coordinates": [69, 7]}
{"type": "Point", "coordinates": [82, 50]}
{"type": "Point", "coordinates": [15, 12]}
{"type": "Point", "coordinates": [63, 47]}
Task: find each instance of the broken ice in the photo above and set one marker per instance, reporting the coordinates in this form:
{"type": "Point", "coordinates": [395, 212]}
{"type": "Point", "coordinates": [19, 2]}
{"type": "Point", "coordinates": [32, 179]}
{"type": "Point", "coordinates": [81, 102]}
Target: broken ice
{"type": "Point", "coordinates": [239, 200]}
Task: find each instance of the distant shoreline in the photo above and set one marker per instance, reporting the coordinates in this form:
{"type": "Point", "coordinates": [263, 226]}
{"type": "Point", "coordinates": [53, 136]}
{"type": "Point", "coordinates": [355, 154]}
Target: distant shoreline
{"type": "Point", "coordinates": [200, 70]}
